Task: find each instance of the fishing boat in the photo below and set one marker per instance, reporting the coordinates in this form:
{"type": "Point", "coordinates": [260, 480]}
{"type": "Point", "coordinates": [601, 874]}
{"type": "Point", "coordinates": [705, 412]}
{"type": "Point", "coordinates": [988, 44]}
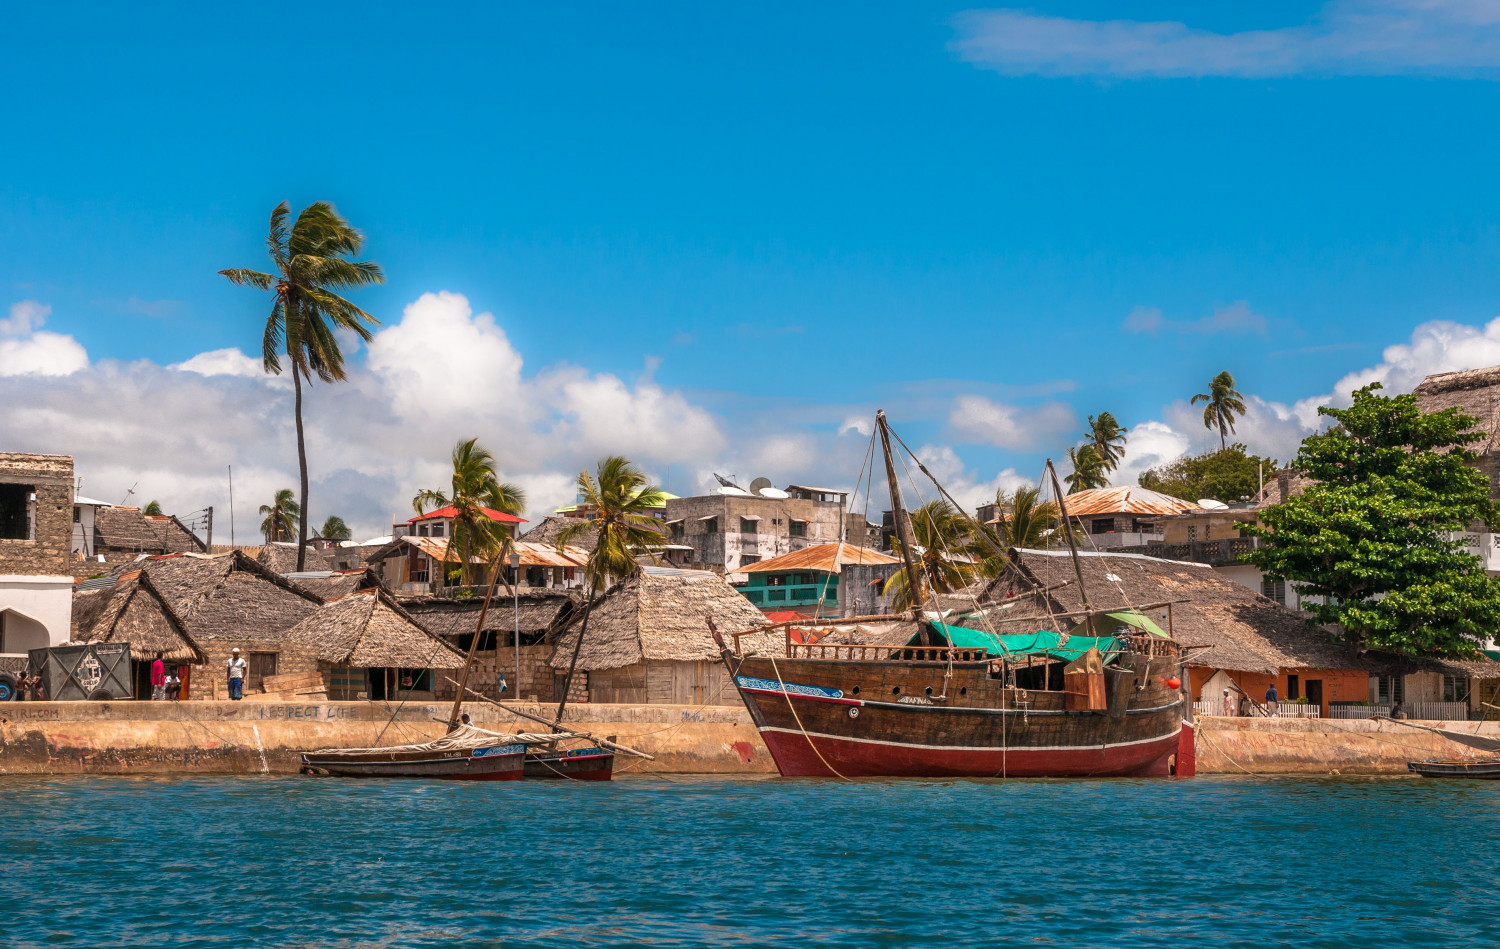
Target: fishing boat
{"type": "Point", "coordinates": [1102, 699]}
{"type": "Point", "coordinates": [464, 754]}
{"type": "Point", "coordinates": [1480, 768]}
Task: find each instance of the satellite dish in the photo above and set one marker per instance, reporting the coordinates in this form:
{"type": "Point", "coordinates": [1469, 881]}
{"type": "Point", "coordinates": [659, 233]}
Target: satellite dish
{"type": "Point", "coordinates": [730, 490]}
{"type": "Point", "coordinates": [759, 485]}
{"type": "Point", "coordinates": [1209, 504]}
{"type": "Point", "coordinates": [725, 482]}
{"type": "Point", "coordinates": [775, 493]}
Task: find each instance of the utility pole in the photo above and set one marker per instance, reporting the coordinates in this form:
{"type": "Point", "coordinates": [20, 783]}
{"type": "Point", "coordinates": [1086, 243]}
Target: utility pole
{"type": "Point", "coordinates": [515, 588]}
{"type": "Point", "coordinates": [210, 528]}
{"type": "Point", "coordinates": [231, 505]}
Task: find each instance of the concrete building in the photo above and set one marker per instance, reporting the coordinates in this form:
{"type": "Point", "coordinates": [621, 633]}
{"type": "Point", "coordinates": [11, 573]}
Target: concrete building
{"type": "Point", "coordinates": [811, 581]}
{"type": "Point", "coordinates": [734, 528]}
{"type": "Point", "coordinates": [1124, 516]}
{"type": "Point", "coordinates": [36, 531]}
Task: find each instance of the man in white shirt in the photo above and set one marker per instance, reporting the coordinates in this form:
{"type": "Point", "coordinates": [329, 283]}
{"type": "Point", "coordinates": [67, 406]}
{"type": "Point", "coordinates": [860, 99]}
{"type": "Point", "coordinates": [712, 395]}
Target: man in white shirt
{"type": "Point", "coordinates": [237, 667]}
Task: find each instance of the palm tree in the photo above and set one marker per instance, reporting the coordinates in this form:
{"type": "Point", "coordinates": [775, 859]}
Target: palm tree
{"type": "Point", "coordinates": [1108, 439]}
{"type": "Point", "coordinates": [1088, 470]}
{"type": "Point", "coordinates": [945, 555]}
{"type": "Point", "coordinates": [619, 500]}
{"type": "Point", "coordinates": [282, 517]}
{"type": "Point", "coordinates": [476, 485]}
{"type": "Point", "coordinates": [152, 510]}
{"type": "Point", "coordinates": [312, 259]}
{"type": "Point", "coordinates": [1026, 520]}
{"type": "Point", "coordinates": [1222, 402]}
{"type": "Point", "coordinates": [335, 529]}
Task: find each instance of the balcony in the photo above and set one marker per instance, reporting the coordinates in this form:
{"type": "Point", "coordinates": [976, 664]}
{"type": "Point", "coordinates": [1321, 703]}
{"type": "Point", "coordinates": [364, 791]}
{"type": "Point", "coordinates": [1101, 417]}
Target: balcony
{"type": "Point", "coordinates": [1215, 553]}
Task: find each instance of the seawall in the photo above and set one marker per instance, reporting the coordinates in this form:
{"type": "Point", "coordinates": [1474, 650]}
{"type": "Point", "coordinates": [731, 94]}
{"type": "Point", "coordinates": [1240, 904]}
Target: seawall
{"type": "Point", "coordinates": [253, 737]}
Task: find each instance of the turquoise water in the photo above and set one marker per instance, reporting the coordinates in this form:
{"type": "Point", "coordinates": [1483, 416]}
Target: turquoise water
{"type": "Point", "coordinates": [747, 862]}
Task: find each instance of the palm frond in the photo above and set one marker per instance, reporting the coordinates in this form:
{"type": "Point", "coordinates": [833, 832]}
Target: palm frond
{"type": "Point", "coordinates": [245, 277]}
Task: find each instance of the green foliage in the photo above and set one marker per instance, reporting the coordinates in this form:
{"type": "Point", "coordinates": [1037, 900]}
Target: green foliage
{"type": "Point", "coordinates": [475, 485]}
{"type": "Point", "coordinates": [1222, 402]}
{"type": "Point", "coordinates": [1088, 470]}
{"type": "Point", "coordinates": [1374, 533]}
{"type": "Point", "coordinates": [1107, 437]}
{"type": "Point", "coordinates": [152, 510]}
{"type": "Point", "coordinates": [620, 504]}
{"type": "Point", "coordinates": [1228, 475]}
{"type": "Point", "coordinates": [335, 529]}
{"type": "Point", "coordinates": [281, 517]}
{"type": "Point", "coordinates": [939, 531]}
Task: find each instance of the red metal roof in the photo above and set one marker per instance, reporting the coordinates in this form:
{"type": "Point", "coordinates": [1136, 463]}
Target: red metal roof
{"type": "Point", "coordinates": [451, 511]}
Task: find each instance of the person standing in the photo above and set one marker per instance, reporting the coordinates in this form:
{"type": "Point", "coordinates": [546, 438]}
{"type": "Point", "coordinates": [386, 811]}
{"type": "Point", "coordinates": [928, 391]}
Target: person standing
{"type": "Point", "coordinates": [237, 667]}
{"type": "Point", "coordinates": [1230, 706]}
{"type": "Point", "coordinates": [158, 680]}
{"type": "Point", "coordinates": [1271, 704]}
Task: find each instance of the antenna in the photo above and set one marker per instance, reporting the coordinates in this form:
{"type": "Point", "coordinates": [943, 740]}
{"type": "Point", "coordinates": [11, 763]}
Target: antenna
{"type": "Point", "coordinates": [128, 494]}
{"type": "Point", "coordinates": [725, 482]}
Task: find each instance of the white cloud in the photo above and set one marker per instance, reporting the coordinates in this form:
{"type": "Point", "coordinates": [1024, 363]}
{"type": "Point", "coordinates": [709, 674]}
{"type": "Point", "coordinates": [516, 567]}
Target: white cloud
{"type": "Point", "coordinates": [222, 362]}
{"type": "Point", "coordinates": [1009, 426]}
{"type": "Point", "coordinates": [1346, 37]}
{"type": "Point", "coordinates": [860, 424]}
{"type": "Point", "coordinates": [967, 487]}
{"type": "Point", "coordinates": [1149, 444]}
{"type": "Point", "coordinates": [1235, 318]}
{"type": "Point", "coordinates": [27, 350]}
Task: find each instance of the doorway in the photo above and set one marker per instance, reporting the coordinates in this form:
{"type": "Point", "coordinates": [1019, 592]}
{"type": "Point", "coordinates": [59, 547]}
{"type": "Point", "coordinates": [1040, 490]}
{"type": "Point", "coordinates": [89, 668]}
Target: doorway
{"type": "Point", "coordinates": [1314, 689]}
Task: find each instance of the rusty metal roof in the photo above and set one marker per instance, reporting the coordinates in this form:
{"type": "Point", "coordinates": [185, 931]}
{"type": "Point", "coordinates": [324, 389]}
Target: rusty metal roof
{"type": "Point", "coordinates": [820, 557]}
{"type": "Point", "coordinates": [532, 555]}
{"type": "Point", "coordinates": [1130, 499]}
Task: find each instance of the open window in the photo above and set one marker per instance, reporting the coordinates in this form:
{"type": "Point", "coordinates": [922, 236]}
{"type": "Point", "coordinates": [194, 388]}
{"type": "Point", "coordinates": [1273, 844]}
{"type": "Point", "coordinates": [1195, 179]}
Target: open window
{"type": "Point", "coordinates": [16, 501]}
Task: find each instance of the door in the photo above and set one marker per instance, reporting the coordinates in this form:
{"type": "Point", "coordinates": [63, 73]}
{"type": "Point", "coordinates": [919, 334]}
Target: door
{"type": "Point", "coordinates": [1314, 689]}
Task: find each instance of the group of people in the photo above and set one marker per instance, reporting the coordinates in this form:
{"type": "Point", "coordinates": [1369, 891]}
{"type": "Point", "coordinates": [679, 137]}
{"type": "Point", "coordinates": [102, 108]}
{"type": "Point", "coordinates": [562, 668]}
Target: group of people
{"type": "Point", "coordinates": [165, 686]}
{"type": "Point", "coordinates": [29, 686]}
{"type": "Point", "coordinates": [1243, 707]}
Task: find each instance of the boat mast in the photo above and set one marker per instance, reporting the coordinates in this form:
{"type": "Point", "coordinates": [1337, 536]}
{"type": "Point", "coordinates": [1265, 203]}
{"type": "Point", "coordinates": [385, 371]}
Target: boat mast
{"type": "Point", "coordinates": [463, 680]}
{"type": "Point", "coordinates": [898, 513]}
{"type": "Point", "coordinates": [1067, 529]}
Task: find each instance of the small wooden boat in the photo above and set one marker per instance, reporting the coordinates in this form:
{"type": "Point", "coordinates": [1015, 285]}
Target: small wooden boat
{"type": "Point", "coordinates": [575, 764]}
{"type": "Point", "coordinates": [467, 754]}
{"type": "Point", "coordinates": [1481, 769]}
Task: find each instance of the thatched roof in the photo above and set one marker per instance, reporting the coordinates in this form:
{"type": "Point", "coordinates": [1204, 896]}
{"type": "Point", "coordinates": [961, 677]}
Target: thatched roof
{"type": "Point", "coordinates": [229, 596]}
{"type": "Point", "coordinates": [333, 585]}
{"type": "Point", "coordinates": [549, 528]}
{"type": "Point", "coordinates": [656, 616]}
{"type": "Point", "coordinates": [282, 557]}
{"type": "Point", "coordinates": [370, 629]}
{"type": "Point", "coordinates": [126, 528]}
{"type": "Point", "coordinates": [1247, 632]}
{"type": "Point", "coordinates": [134, 611]}
{"type": "Point", "coordinates": [445, 616]}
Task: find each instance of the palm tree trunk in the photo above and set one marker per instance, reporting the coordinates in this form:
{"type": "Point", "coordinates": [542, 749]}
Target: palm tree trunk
{"type": "Point", "coordinates": [302, 468]}
{"type": "Point", "coordinates": [1222, 443]}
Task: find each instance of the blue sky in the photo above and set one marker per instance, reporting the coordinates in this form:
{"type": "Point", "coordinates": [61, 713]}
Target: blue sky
{"type": "Point", "coordinates": [770, 220]}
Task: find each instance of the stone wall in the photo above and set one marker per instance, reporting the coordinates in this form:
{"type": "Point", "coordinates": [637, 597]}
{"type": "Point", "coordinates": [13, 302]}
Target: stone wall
{"type": "Point", "coordinates": [1323, 746]}
{"type": "Point", "coordinates": [48, 551]}
{"type": "Point", "coordinates": [537, 678]}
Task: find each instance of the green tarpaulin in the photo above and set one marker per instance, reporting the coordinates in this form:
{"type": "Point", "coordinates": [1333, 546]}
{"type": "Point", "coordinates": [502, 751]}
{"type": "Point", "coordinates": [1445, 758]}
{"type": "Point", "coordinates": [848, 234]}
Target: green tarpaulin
{"type": "Point", "coordinates": [1020, 644]}
{"type": "Point", "coordinates": [1139, 621]}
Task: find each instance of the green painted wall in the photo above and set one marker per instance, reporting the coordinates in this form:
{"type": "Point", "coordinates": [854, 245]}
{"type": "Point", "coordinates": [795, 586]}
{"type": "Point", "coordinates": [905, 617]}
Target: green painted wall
{"type": "Point", "coordinates": [791, 589]}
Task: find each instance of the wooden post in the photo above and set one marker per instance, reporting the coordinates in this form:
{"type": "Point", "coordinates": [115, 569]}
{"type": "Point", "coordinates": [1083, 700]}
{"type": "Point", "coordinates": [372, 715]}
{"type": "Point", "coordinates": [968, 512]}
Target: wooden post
{"type": "Point", "coordinates": [903, 523]}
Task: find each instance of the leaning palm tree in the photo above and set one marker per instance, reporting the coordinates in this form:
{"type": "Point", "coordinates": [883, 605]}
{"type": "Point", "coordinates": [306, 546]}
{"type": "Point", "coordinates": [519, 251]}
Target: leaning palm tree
{"type": "Point", "coordinates": [620, 501]}
{"type": "Point", "coordinates": [1088, 470]}
{"type": "Point", "coordinates": [475, 490]}
{"type": "Point", "coordinates": [947, 555]}
{"type": "Point", "coordinates": [312, 259]}
{"type": "Point", "coordinates": [335, 529]}
{"type": "Point", "coordinates": [1107, 437]}
{"type": "Point", "coordinates": [281, 517]}
{"type": "Point", "coordinates": [1222, 402]}
{"type": "Point", "coordinates": [1026, 520]}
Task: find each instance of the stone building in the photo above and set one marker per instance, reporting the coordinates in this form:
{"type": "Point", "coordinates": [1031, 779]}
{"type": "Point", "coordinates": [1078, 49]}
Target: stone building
{"type": "Point", "coordinates": [534, 611]}
{"type": "Point", "coordinates": [36, 529]}
{"type": "Point", "coordinates": [735, 528]}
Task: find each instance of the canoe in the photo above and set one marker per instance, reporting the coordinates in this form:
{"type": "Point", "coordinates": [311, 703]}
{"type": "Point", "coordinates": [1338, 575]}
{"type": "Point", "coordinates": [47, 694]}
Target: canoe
{"type": "Point", "coordinates": [500, 762]}
{"type": "Point", "coordinates": [1484, 770]}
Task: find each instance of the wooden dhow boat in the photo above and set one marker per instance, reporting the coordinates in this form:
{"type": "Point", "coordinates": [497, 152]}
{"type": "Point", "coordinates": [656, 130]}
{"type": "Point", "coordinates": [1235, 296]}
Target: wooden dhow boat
{"type": "Point", "coordinates": [960, 702]}
{"type": "Point", "coordinates": [1475, 768]}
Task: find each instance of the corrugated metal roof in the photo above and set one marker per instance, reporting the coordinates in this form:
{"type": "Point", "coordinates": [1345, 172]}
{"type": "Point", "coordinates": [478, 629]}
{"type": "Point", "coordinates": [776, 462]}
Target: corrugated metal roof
{"type": "Point", "coordinates": [532, 555]}
{"type": "Point", "coordinates": [1131, 499]}
{"type": "Point", "coordinates": [820, 557]}
{"type": "Point", "coordinates": [450, 511]}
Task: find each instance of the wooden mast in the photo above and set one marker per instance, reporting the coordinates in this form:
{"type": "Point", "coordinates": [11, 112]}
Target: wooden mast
{"type": "Point", "coordinates": [1067, 529]}
{"type": "Point", "coordinates": [898, 513]}
{"type": "Point", "coordinates": [463, 680]}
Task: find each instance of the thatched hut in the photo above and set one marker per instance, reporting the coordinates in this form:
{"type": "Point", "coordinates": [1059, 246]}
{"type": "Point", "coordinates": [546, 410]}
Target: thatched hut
{"type": "Point", "coordinates": [133, 611]}
{"type": "Point", "coordinates": [534, 612]}
{"type": "Point", "coordinates": [367, 646]}
{"type": "Point", "coordinates": [648, 639]}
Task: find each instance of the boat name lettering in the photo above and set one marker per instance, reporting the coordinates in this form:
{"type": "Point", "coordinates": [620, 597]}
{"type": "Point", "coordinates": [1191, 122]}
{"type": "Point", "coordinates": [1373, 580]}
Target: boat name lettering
{"type": "Point", "coordinates": [499, 750]}
{"type": "Point", "coordinates": [794, 688]}
{"type": "Point", "coordinates": [914, 700]}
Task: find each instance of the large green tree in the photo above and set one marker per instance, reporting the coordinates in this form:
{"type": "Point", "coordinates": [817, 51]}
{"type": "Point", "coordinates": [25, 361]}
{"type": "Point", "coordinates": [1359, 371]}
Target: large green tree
{"type": "Point", "coordinates": [1378, 534]}
{"type": "Point", "coordinates": [281, 517]}
{"type": "Point", "coordinates": [1088, 469]}
{"type": "Point", "coordinates": [620, 503]}
{"type": "Point", "coordinates": [313, 259]}
{"type": "Point", "coordinates": [1107, 437]}
{"type": "Point", "coordinates": [1221, 403]}
{"type": "Point", "coordinates": [1229, 475]}
{"type": "Point", "coordinates": [474, 487]}
{"type": "Point", "coordinates": [335, 529]}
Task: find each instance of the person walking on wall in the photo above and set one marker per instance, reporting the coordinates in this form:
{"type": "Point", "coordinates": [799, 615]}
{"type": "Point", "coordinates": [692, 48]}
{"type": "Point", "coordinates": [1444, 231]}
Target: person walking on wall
{"type": "Point", "coordinates": [158, 680]}
{"type": "Point", "coordinates": [1271, 703]}
{"type": "Point", "coordinates": [237, 666]}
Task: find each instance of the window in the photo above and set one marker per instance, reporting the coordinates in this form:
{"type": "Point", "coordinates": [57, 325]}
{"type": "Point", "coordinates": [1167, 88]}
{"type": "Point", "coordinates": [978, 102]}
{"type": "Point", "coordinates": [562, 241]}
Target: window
{"type": "Point", "coordinates": [796, 528]}
{"type": "Point", "coordinates": [257, 667]}
{"type": "Point", "coordinates": [677, 530]}
{"type": "Point", "coordinates": [437, 530]}
{"type": "Point", "coordinates": [1208, 532]}
{"type": "Point", "coordinates": [1455, 689]}
{"type": "Point", "coordinates": [776, 580]}
{"type": "Point", "coordinates": [77, 515]}
{"type": "Point", "coordinates": [749, 559]}
{"type": "Point", "coordinates": [421, 530]}
{"type": "Point", "coordinates": [1390, 689]}
{"type": "Point", "coordinates": [807, 578]}
{"type": "Point", "coordinates": [1192, 533]}
{"type": "Point", "coordinates": [15, 511]}
{"type": "Point", "coordinates": [1102, 525]}
{"type": "Point", "coordinates": [775, 594]}
{"type": "Point", "coordinates": [1273, 587]}
{"type": "Point", "coordinates": [1293, 692]}
{"type": "Point", "coordinates": [752, 595]}
{"type": "Point", "coordinates": [749, 526]}
{"type": "Point", "coordinates": [711, 526]}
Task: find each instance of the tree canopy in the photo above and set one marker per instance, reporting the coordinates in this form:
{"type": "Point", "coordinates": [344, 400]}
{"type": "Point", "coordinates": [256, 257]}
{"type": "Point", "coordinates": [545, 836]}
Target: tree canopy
{"type": "Point", "coordinates": [945, 555]}
{"type": "Point", "coordinates": [1221, 403]}
{"type": "Point", "coordinates": [280, 517]}
{"type": "Point", "coordinates": [1088, 469]}
{"type": "Point", "coordinates": [153, 509]}
{"type": "Point", "coordinates": [475, 485]}
{"type": "Point", "coordinates": [620, 503]}
{"type": "Point", "coordinates": [1379, 534]}
{"type": "Point", "coordinates": [1107, 437]}
{"type": "Point", "coordinates": [335, 529]}
{"type": "Point", "coordinates": [1229, 475]}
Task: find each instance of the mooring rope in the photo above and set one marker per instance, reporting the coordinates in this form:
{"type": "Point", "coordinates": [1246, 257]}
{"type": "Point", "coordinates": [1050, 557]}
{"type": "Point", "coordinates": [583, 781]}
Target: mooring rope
{"type": "Point", "coordinates": [798, 719]}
